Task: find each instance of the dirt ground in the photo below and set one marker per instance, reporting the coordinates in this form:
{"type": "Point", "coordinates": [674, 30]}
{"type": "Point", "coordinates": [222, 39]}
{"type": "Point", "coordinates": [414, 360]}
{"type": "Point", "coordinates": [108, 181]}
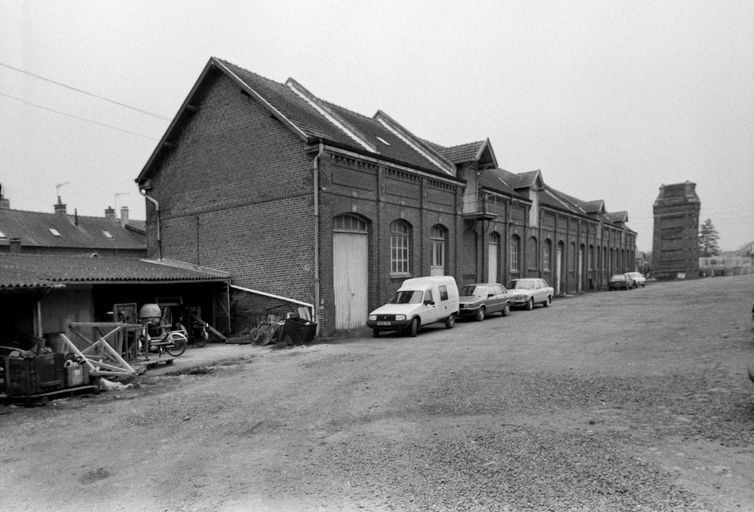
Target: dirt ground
{"type": "Point", "coordinates": [635, 400]}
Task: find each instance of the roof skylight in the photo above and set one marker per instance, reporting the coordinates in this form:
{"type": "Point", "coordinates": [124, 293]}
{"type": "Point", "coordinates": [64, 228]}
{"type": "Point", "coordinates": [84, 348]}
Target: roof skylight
{"type": "Point", "coordinates": [383, 140]}
{"type": "Point", "coordinates": [2, 235]}
{"type": "Point", "coordinates": [107, 234]}
{"type": "Point", "coordinates": [54, 231]}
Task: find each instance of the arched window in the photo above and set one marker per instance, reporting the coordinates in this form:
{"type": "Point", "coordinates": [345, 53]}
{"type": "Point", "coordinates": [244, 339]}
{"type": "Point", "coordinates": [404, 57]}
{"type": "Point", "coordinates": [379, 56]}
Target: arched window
{"type": "Point", "coordinates": [515, 254]}
{"type": "Point", "coordinates": [400, 233]}
{"type": "Point", "coordinates": [546, 255]}
{"type": "Point", "coordinates": [439, 240]}
{"type": "Point", "coordinates": [349, 224]}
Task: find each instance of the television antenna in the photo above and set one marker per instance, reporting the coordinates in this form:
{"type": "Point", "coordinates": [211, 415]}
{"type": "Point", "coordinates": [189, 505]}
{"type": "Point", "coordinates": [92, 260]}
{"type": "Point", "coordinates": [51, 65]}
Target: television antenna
{"type": "Point", "coordinates": [115, 198]}
{"type": "Point", "coordinates": [58, 187]}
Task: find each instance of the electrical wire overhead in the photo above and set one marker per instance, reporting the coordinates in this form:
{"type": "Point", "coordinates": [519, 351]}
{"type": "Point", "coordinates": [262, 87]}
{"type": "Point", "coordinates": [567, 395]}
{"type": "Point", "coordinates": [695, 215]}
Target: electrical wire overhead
{"type": "Point", "coordinates": [76, 117]}
{"type": "Point", "coordinates": [84, 92]}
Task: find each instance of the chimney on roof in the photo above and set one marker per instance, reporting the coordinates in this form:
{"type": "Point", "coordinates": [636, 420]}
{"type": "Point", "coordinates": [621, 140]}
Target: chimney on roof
{"type": "Point", "coordinates": [124, 215]}
{"type": "Point", "coordinates": [15, 245]}
{"type": "Point", "coordinates": [60, 207]}
{"type": "Point", "coordinates": [110, 213]}
{"type": "Point", "coordinates": [4, 203]}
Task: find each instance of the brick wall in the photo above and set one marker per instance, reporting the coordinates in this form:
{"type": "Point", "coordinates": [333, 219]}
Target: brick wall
{"type": "Point", "coordinates": [235, 194]}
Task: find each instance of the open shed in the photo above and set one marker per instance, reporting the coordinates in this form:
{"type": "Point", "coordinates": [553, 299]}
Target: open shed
{"type": "Point", "coordinates": [41, 294]}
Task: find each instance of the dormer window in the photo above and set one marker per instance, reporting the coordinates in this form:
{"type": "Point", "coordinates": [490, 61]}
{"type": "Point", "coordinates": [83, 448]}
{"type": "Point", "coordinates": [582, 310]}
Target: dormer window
{"type": "Point", "coordinates": [55, 232]}
{"type": "Point", "coordinates": [107, 234]}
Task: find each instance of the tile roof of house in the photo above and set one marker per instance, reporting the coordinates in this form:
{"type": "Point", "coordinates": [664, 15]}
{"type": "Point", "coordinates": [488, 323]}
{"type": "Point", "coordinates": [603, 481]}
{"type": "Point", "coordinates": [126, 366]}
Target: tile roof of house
{"type": "Point", "coordinates": [497, 179]}
{"type": "Point", "coordinates": [617, 217]}
{"type": "Point", "coordinates": [596, 207]}
{"type": "Point", "coordinates": [18, 271]}
{"type": "Point", "coordinates": [78, 232]}
{"type": "Point", "coordinates": [463, 152]}
{"type": "Point", "coordinates": [314, 123]}
{"type": "Point", "coordinates": [524, 179]}
{"type": "Point", "coordinates": [556, 199]}
{"type": "Point", "coordinates": [565, 201]}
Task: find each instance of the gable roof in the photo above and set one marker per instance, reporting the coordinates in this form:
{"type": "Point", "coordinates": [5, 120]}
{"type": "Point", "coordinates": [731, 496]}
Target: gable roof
{"type": "Point", "coordinates": [75, 231]}
{"type": "Point", "coordinates": [530, 179]}
{"type": "Point", "coordinates": [315, 120]}
{"type": "Point", "coordinates": [21, 271]}
{"type": "Point", "coordinates": [617, 217]}
{"type": "Point", "coordinates": [498, 180]}
{"type": "Point", "coordinates": [557, 199]}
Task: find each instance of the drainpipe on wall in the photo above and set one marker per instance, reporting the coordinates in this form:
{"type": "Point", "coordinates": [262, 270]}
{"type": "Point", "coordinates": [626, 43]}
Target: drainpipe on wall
{"type": "Point", "coordinates": [316, 235]}
{"type": "Point", "coordinates": [157, 211]}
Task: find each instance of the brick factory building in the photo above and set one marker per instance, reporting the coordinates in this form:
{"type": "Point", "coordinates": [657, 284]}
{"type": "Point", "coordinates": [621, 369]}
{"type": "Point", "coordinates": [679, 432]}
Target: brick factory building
{"type": "Point", "coordinates": [300, 199]}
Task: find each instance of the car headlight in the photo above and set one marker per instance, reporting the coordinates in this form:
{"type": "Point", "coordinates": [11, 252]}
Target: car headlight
{"type": "Point", "coordinates": [400, 317]}
{"type": "Point", "coordinates": [372, 317]}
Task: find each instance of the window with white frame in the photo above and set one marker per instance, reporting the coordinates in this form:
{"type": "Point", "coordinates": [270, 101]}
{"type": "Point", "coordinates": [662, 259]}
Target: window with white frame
{"type": "Point", "coordinates": [400, 232]}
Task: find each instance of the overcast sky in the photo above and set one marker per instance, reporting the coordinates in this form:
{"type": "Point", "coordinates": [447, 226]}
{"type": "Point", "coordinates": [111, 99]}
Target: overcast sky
{"type": "Point", "coordinates": [609, 99]}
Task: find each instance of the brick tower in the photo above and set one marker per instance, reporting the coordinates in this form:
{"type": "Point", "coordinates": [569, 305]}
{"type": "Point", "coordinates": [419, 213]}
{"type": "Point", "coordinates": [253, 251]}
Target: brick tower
{"type": "Point", "coordinates": [675, 245]}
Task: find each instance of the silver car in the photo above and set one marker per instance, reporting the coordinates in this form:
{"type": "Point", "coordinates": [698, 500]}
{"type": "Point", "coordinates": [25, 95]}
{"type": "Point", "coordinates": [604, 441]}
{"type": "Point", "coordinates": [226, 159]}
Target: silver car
{"type": "Point", "coordinates": [638, 279]}
{"type": "Point", "coordinates": [529, 291]}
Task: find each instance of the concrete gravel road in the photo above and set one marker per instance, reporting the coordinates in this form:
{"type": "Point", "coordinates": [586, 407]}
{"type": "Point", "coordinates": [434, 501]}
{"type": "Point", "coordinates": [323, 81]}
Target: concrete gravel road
{"type": "Point", "coordinates": [633, 400]}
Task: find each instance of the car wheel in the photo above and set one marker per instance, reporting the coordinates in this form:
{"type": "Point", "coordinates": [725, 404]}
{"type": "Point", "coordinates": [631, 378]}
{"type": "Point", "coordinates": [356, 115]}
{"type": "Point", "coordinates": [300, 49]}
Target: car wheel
{"type": "Point", "coordinates": [413, 329]}
{"type": "Point", "coordinates": [506, 310]}
{"type": "Point", "coordinates": [480, 314]}
{"type": "Point", "coordinates": [450, 321]}
{"type": "Point", "coordinates": [530, 305]}
{"type": "Point", "coordinates": [547, 301]}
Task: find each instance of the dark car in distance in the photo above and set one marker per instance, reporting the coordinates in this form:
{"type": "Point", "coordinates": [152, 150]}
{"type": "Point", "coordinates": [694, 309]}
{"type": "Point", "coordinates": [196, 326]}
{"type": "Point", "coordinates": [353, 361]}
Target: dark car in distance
{"type": "Point", "coordinates": [620, 282]}
{"type": "Point", "coordinates": [480, 300]}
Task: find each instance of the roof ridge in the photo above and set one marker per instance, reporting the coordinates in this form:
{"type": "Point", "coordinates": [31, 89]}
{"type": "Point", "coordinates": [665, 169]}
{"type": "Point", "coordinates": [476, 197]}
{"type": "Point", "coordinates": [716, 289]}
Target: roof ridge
{"type": "Point", "coordinates": [60, 215]}
{"type": "Point", "coordinates": [330, 113]}
{"type": "Point", "coordinates": [467, 144]}
{"type": "Point", "coordinates": [228, 63]}
{"type": "Point", "coordinates": [420, 145]}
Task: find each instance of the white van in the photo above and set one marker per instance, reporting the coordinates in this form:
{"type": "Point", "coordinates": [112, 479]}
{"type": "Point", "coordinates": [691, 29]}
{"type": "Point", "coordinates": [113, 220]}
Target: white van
{"type": "Point", "coordinates": [418, 302]}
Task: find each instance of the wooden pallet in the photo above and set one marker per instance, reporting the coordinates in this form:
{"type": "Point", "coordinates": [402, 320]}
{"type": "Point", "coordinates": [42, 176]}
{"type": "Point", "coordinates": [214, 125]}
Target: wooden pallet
{"type": "Point", "coordinates": [154, 363]}
{"type": "Point", "coordinates": [53, 395]}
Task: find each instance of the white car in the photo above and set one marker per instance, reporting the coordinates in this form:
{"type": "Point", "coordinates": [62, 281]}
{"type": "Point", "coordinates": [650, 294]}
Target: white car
{"type": "Point", "coordinates": [638, 279]}
{"type": "Point", "coordinates": [529, 291]}
{"type": "Point", "coordinates": [418, 302]}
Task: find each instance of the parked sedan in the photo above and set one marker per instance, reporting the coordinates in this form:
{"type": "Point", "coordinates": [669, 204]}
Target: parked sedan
{"type": "Point", "coordinates": [529, 291]}
{"type": "Point", "coordinates": [482, 299]}
{"type": "Point", "coordinates": [638, 279]}
{"type": "Point", "coordinates": [620, 282]}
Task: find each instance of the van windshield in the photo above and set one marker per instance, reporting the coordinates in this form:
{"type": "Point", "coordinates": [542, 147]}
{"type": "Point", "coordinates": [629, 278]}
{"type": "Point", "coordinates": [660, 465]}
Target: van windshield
{"type": "Point", "coordinates": [407, 297]}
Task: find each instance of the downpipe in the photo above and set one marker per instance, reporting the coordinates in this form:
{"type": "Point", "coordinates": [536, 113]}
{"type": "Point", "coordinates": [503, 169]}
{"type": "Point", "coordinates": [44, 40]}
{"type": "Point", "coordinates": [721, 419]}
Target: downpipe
{"type": "Point", "coordinates": [157, 211]}
{"type": "Point", "coordinates": [316, 236]}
